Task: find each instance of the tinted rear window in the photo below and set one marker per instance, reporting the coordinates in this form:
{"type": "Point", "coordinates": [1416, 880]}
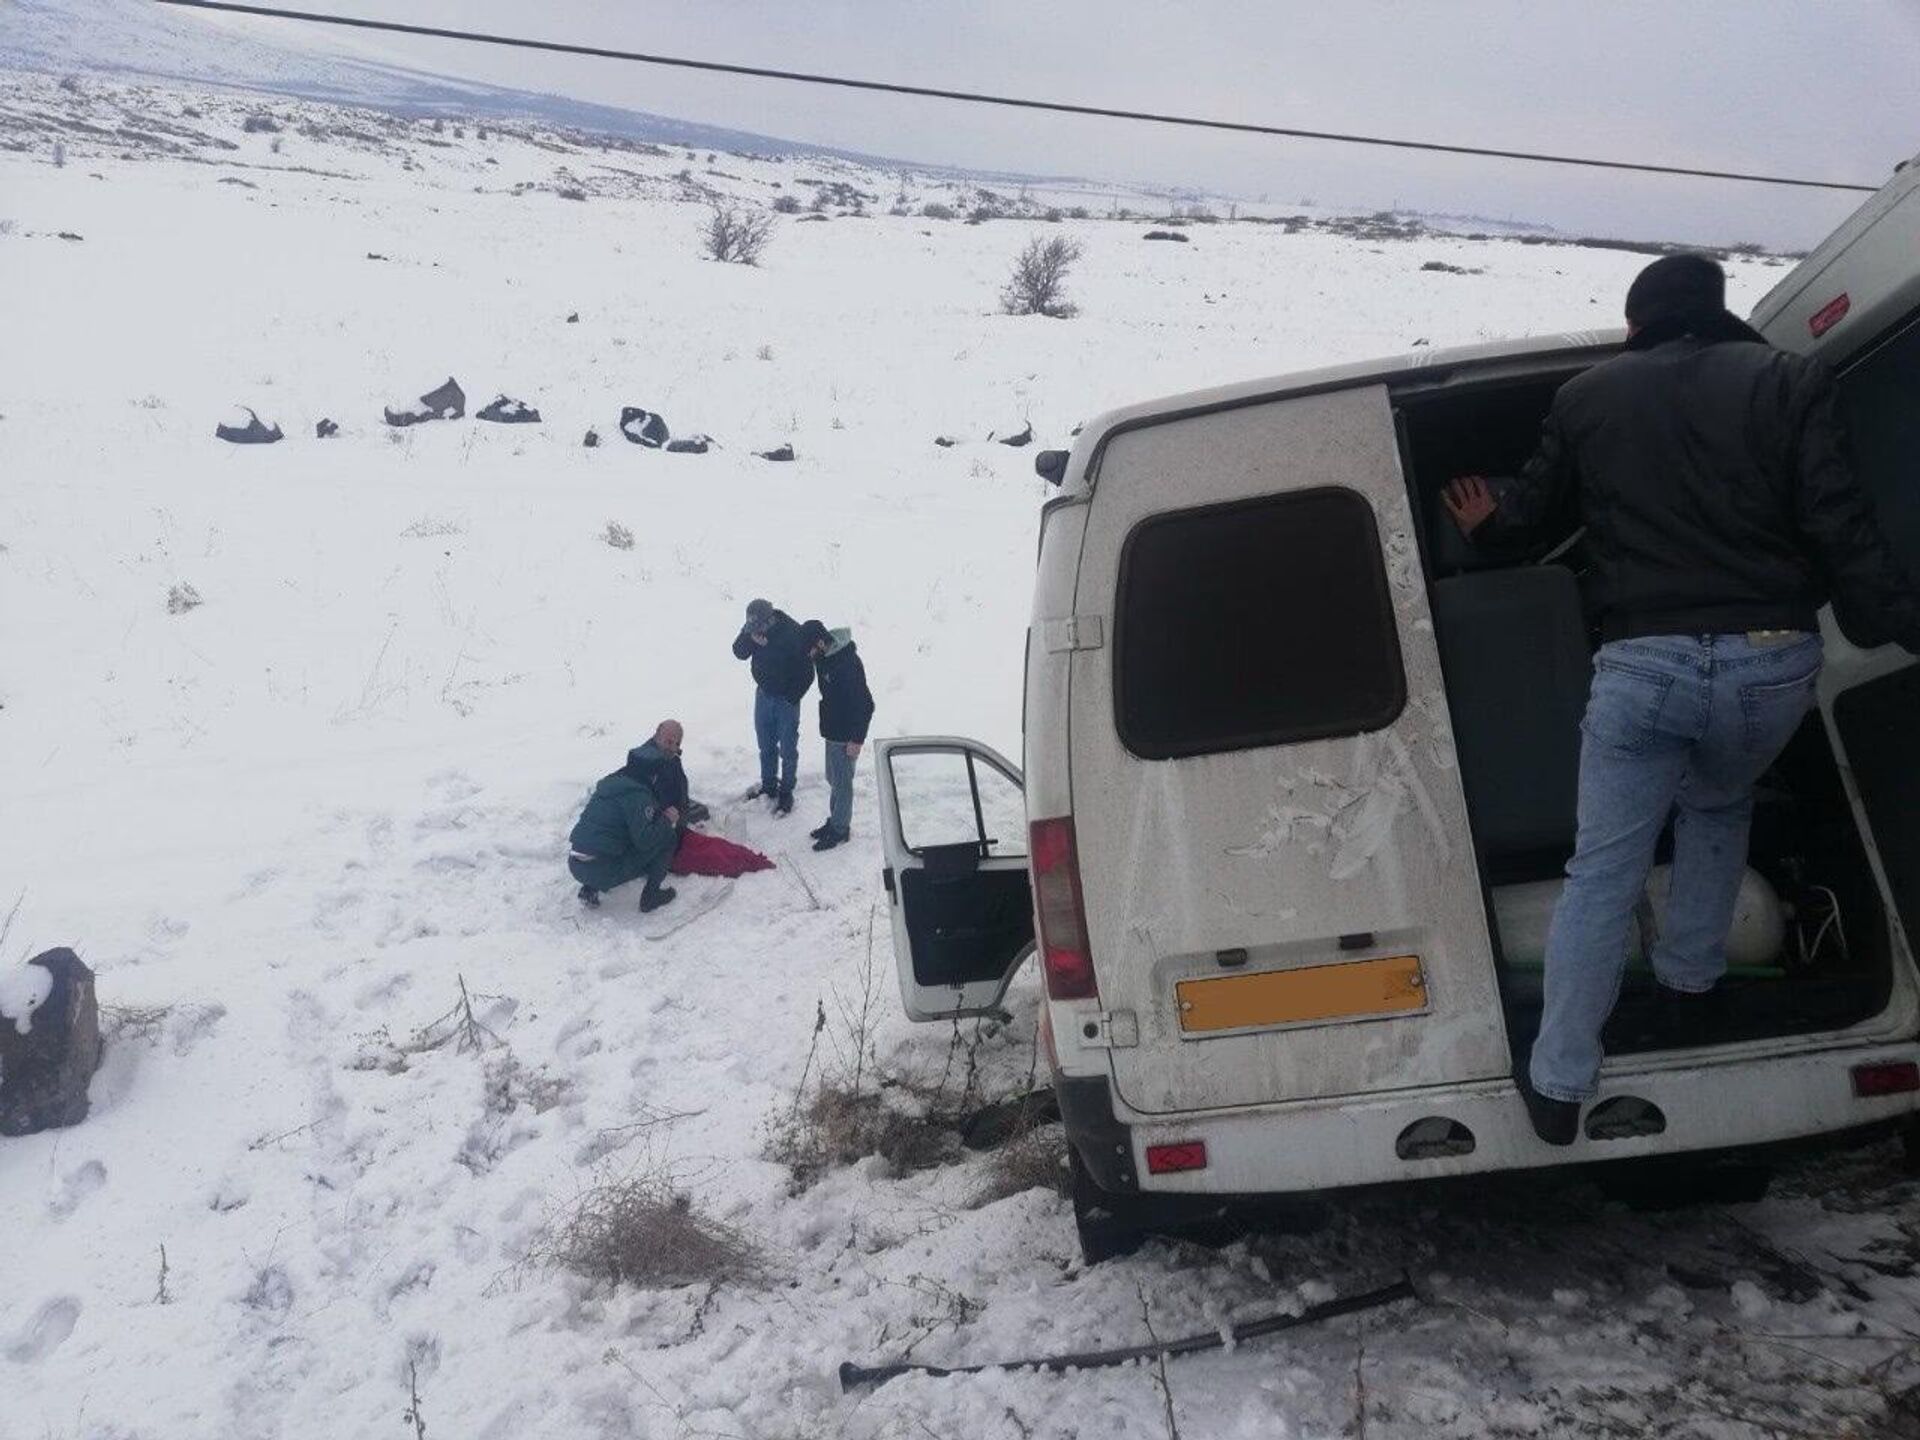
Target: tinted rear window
{"type": "Point", "coordinates": [1262, 622]}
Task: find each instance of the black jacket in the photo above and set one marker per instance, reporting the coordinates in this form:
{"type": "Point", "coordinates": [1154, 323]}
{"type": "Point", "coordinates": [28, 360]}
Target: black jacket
{"type": "Point", "coordinates": [780, 667]}
{"type": "Point", "coordinates": [846, 704]}
{"type": "Point", "coordinates": [1714, 485]}
{"type": "Point", "coordinates": [659, 772]}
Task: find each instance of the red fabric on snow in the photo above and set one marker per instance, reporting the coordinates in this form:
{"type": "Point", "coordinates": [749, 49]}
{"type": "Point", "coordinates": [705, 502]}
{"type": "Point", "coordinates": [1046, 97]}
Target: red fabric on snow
{"type": "Point", "coordinates": [710, 855]}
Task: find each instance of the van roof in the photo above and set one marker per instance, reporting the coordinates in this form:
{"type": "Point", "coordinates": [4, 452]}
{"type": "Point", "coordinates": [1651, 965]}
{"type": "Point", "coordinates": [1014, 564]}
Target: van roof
{"type": "Point", "coordinates": [1432, 367]}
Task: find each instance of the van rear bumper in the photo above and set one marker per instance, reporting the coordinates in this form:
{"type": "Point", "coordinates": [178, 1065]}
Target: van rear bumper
{"type": "Point", "coordinates": [1332, 1144]}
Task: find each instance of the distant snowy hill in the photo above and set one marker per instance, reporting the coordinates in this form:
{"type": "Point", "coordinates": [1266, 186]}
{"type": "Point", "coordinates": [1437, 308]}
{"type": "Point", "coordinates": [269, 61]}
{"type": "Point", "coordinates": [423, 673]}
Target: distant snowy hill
{"type": "Point", "coordinates": [136, 39]}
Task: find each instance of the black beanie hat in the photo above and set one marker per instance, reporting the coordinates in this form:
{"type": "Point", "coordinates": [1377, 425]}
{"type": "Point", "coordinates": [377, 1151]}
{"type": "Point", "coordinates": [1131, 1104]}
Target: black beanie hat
{"type": "Point", "coordinates": [1677, 287]}
{"type": "Point", "coordinates": [813, 633]}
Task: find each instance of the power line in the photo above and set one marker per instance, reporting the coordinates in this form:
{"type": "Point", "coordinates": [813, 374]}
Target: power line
{"type": "Point", "coordinates": [975, 97]}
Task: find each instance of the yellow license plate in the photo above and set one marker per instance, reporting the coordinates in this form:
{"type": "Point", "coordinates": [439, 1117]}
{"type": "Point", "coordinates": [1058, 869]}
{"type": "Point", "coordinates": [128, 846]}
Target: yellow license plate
{"type": "Point", "coordinates": [1390, 985]}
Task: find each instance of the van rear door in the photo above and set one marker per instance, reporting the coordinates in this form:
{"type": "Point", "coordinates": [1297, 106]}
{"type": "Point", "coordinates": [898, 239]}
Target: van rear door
{"type": "Point", "coordinates": [1855, 303]}
{"type": "Point", "coordinates": [1279, 878]}
{"type": "Point", "coordinates": [954, 831]}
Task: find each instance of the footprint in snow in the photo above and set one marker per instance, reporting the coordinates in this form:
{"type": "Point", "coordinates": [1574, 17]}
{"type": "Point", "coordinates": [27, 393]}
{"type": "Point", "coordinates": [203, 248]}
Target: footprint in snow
{"type": "Point", "coordinates": [45, 1333]}
{"type": "Point", "coordinates": [74, 1187]}
{"type": "Point", "coordinates": [453, 785]}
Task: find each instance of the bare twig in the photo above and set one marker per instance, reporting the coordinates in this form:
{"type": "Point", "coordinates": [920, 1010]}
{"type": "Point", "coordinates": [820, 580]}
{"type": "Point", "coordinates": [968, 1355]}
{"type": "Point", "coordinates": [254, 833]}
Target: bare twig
{"type": "Point", "coordinates": [161, 1297]}
{"type": "Point", "coordinates": [413, 1414]}
{"type": "Point", "coordinates": [6, 926]}
{"type": "Point", "coordinates": [265, 1140]}
{"type": "Point", "coordinates": [1360, 1383]}
{"type": "Point", "coordinates": [793, 869]}
{"type": "Point", "coordinates": [819, 1024]}
{"type": "Point", "coordinates": [866, 1009]}
{"type": "Point", "coordinates": [1160, 1360]}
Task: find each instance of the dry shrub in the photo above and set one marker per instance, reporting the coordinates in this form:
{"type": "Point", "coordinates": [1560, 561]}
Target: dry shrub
{"type": "Point", "coordinates": [617, 535]}
{"type": "Point", "coordinates": [640, 1230]}
{"type": "Point", "coordinates": [838, 1125]}
{"type": "Point", "coordinates": [133, 1022]}
{"type": "Point", "coordinates": [182, 598]}
{"type": "Point", "coordinates": [736, 234]}
{"type": "Point", "coordinates": [1038, 285]}
{"type": "Point", "coordinates": [1035, 1159]}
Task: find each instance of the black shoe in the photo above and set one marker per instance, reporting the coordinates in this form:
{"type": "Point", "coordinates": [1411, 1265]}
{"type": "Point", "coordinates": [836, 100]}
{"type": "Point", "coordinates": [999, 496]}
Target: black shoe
{"type": "Point", "coordinates": [589, 897]}
{"type": "Point", "coordinates": [696, 812]}
{"type": "Point", "coordinates": [761, 789]}
{"type": "Point", "coordinates": [831, 839]}
{"type": "Point", "coordinates": [651, 900]}
{"type": "Point", "coordinates": [1555, 1121]}
{"type": "Point", "coordinates": [783, 803]}
{"type": "Point", "coordinates": [820, 832]}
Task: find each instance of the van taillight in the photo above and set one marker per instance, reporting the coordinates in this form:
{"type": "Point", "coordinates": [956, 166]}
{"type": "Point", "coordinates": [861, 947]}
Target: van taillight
{"type": "Point", "coordinates": [1893, 1077]}
{"type": "Point", "coordinates": [1061, 911]}
{"type": "Point", "coordinates": [1172, 1159]}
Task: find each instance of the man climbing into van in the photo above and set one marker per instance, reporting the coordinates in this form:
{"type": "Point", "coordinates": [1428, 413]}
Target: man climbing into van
{"type": "Point", "coordinates": [626, 831]}
{"type": "Point", "coordinates": [1720, 512]}
{"type": "Point", "coordinates": [782, 675]}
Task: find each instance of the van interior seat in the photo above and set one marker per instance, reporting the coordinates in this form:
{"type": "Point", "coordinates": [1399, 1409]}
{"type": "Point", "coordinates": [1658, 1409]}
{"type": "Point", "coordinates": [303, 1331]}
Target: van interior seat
{"type": "Point", "coordinates": [1513, 645]}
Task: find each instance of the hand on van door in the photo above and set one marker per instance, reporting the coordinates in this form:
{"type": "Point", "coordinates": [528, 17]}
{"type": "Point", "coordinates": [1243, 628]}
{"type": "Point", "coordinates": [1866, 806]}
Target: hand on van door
{"type": "Point", "coordinates": [1469, 502]}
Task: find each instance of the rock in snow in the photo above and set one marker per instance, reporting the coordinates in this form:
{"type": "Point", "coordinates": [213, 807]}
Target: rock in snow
{"type": "Point", "coordinates": [779, 452]}
{"type": "Point", "coordinates": [690, 445]}
{"type": "Point", "coordinates": [1167, 235]}
{"type": "Point", "coordinates": [1022, 436]}
{"type": "Point", "coordinates": [325, 430]}
{"type": "Point", "coordinates": [253, 432]}
{"type": "Point", "coordinates": [504, 410]}
{"type": "Point", "coordinates": [643, 427]}
{"type": "Point", "coordinates": [447, 402]}
{"type": "Point", "coordinates": [49, 1051]}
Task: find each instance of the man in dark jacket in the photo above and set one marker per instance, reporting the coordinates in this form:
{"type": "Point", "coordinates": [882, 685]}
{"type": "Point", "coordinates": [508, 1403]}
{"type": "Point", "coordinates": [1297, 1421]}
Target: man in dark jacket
{"type": "Point", "coordinates": [1720, 514]}
{"type": "Point", "coordinates": [627, 831]}
{"type": "Point", "coordinates": [657, 765]}
{"type": "Point", "coordinates": [781, 677]}
{"type": "Point", "coordinates": [846, 709]}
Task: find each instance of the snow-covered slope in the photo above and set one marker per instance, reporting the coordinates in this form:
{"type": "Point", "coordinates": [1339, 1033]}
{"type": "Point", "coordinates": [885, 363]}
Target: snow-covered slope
{"type": "Point", "coordinates": [292, 824]}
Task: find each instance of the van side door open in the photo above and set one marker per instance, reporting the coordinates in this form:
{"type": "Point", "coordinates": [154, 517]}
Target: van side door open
{"type": "Point", "coordinates": [954, 831]}
{"type": "Point", "coordinates": [1855, 303]}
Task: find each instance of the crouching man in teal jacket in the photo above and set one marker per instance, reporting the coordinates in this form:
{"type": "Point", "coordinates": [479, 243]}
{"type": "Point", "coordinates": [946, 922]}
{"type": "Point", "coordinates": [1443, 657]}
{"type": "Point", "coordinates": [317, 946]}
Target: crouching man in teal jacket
{"type": "Point", "coordinates": [626, 833]}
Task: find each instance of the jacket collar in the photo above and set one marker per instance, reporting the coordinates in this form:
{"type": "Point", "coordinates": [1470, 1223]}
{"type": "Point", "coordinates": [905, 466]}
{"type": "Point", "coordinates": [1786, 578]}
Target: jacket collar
{"type": "Point", "coordinates": [1712, 329]}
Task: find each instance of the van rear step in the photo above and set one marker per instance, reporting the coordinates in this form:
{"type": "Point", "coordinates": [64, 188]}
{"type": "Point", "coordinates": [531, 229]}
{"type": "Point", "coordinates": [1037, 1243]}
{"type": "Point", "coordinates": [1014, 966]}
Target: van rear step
{"type": "Point", "coordinates": [1625, 1117]}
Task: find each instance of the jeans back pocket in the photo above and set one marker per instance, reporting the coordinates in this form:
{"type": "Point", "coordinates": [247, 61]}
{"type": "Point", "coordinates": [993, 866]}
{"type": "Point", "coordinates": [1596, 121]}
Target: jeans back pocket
{"type": "Point", "coordinates": [1770, 711]}
{"type": "Point", "coordinates": [1624, 705]}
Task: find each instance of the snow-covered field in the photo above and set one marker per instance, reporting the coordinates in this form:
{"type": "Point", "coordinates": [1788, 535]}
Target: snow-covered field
{"type": "Point", "coordinates": [289, 825]}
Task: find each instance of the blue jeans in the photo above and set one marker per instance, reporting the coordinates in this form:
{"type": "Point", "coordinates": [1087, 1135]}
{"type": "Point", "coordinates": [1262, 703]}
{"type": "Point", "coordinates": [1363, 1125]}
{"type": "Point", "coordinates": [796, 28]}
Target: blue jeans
{"type": "Point", "coordinates": [776, 724]}
{"type": "Point", "coordinates": [840, 768]}
{"type": "Point", "coordinates": [1674, 723]}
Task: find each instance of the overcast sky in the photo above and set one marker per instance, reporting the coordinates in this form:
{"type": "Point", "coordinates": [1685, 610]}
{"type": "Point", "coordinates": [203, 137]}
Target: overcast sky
{"type": "Point", "coordinates": [1821, 88]}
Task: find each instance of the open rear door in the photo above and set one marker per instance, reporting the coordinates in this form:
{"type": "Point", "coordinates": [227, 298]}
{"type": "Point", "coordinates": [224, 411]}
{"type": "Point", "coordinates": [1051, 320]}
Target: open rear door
{"type": "Point", "coordinates": [1855, 303]}
{"type": "Point", "coordinates": [954, 828]}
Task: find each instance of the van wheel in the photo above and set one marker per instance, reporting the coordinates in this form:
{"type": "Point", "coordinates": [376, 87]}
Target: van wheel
{"type": "Point", "coordinates": [1910, 1147]}
{"type": "Point", "coordinates": [1109, 1225]}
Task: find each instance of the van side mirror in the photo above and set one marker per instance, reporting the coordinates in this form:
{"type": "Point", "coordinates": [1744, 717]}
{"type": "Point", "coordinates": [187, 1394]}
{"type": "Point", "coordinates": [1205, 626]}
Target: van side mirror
{"type": "Point", "coordinates": [1051, 465]}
